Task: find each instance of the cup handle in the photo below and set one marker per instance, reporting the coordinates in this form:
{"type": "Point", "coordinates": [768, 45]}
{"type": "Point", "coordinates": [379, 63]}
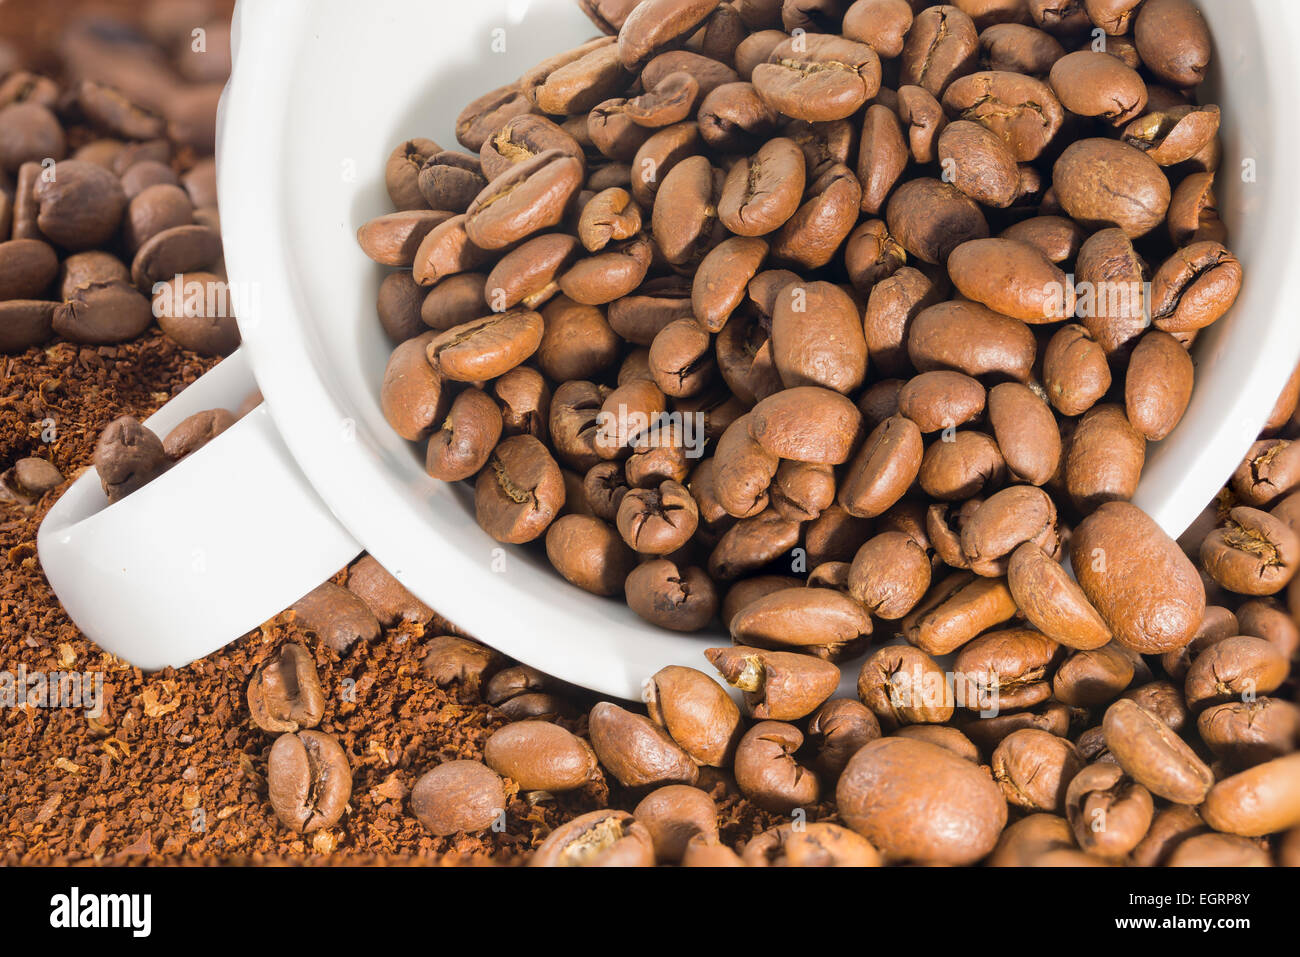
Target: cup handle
{"type": "Point", "coordinates": [224, 540]}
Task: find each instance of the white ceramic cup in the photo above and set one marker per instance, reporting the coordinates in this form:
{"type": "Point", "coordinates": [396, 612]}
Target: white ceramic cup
{"type": "Point", "coordinates": [322, 90]}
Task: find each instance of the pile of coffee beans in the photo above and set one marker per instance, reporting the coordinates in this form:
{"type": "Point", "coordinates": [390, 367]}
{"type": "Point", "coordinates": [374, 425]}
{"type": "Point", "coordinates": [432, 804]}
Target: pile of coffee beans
{"type": "Point", "coordinates": [108, 204]}
{"type": "Point", "coordinates": [886, 299]}
{"type": "Point", "coordinates": [1091, 754]}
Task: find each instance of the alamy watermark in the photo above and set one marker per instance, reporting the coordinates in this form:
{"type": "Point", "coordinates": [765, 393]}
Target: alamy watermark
{"type": "Point", "coordinates": [637, 430]}
{"type": "Point", "coordinates": [53, 689]}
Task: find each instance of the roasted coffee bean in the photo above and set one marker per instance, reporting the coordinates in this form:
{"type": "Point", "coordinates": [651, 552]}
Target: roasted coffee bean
{"type": "Point", "coordinates": [446, 251]}
{"type": "Point", "coordinates": [1006, 670]}
{"type": "Point", "coordinates": [1051, 600]}
{"type": "Point", "coordinates": [767, 772]}
{"type": "Point", "coordinates": [1004, 521]}
{"type": "Point", "coordinates": [970, 338]}
{"type": "Point", "coordinates": [931, 219]}
{"type": "Point", "coordinates": [685, 221]}
{"type": "Point", "coordinates": [961, 607]}
{"type": "Point", "coordinates": [127, 457]}
{"type": "Point", "coordinates": [285, 692]}
{"type": "Point", "coordinates": [893, 304]}
{"type": "Point", "coordinates": [819, 77]}
{"type": "Point", "coordinates": [1173, 41]}
{"type": "Point", "coordinates": [1021, 110]}
{"type": "Point", "coordinates": [454, 301]}
{"type": "Point", "coordinates": [528, 274]}
{"type": "Point", "coordinates": [1247, 733]}
{"type": "Point", "coordinates": [1239, 667]}
{"type": "Point", "coordinates": [589, 554]}
{"type": "Point", "coordinates": [605, 838]}
{"type": "Point", "coordinates": [1137, 578]}
{"type": "Point", "coordinates": [1252, 553]}
{"type": "Point", "coordinates": [777, 685]}
{"type": "Point", "coordinates": [636, 751]}
{"type": "Point", "coordinates": [838, 730]}
{"type": "Point", "coordinates": [1097, 84]}
{"type": "Point", "coordinates": [1194, 287]}
{"type": "Point", "coordinates": [468, 435]}
{"type": "Point", "coordinates": [1026, 432]}
{"type": "Point", "coordinates": [800, 492]}
{"type": "Point", "coordinates": [817, 338]}
{"type": "Point", "coordinates": [1093, 677]}
{"type": "Point", "coordinates": [1034, 769]}
{"type": "Point", "coordinates": [680, 599]}
{"type": "Point", "coordinates": [761, 193]}
{"type": "Point", "coordinates": [1031, 840]}
{"type": "Point", "coordinates": [657, 521]}
{"type": "Point", "coordinates": [392, 239]}
{"type": "Point", "coordinates": [450, 181]}
{"type": "Point", "coordinates": [801, 617]}
{"type": "Point", "coordinates": [813, 236]}
{"type": "Point", "coordinates": [1012, 278]}
{"type": "Point", "coordinates": [1154, 756]}
{"type": "Point", "coordinates": [402, 172]}
{"type": "Point", "coordinates": [1262, 800]}
{"type": "Point", "coordinates": [181, 249]}
{"type": "Point", "coordinates": [941, 400]}
{"type": "Point", "coordinates": [29, 133]}
{"type": "Point", "coordinates": [81, 207]}
{"type": "Point", "coordinates": [458, 797]}
{"type": "Point", "coordinates": [918, 802]}
{"type": "Point", "coordinates": [531, 196]}
{"type": "Point", "coordinates": [940, 47]}
{"type": "Point", "coordinates": [1105, 457]}
{"type": "Point", "coordinates": [27, 268]}
{"type": "Point", "coordinates": [674, 815]}
{"type": "Point", "coordinates": [308, 780]}
{"type": "Point", "coordinates": [196, 311]}
{"type": "Point", "coordinates": [806, 424]}
{"type": "Point", "coordinates": [412, 395]}
{"type": "Point", "coordinates": [1083, 176]}
{"type": "Point", "coordinates": [1108, 811]}
{"type": "Point", "coordinates": [386, 597]}
{"type": "Point", "coordinates": [881, 24]}
{"type": "Point", "coordinates": [966, 465]}
{"type": "Point", "coordinates": [523, 138]}
{"type": "Point", "coordinates": [103, 314]}
{"type": "Point", "coordinates": [398, 306]}
{"type": "Point", "coordinates": [883, 469]}
{"type": "Point", "coordinates": [890, 574]}
{"type": "Point", "coordinates": [196, 431]}
{"type": "Point", "coordinates": [29, 479]}
{"type": "Point", "coordinates": [820, 844]}
{"type": "Point", "coordinates": [696, 712]}
{"type": "Point", "coordinates": [337, 616]}
{"type": "Point", "coordinates": [487, 347]}
{"type": "Point", "coordinates": [1267, 618]}
{"type": "Point", "coordinates": [903, 685]}
{"type": "Point", "coordinates": [1270, 469]}
{"type": "Point", "coordinates": [84, 269]}
{"type": "Point", "coordinates": [448, 659]}
{"type": "Point", "coordinates": [1076, 375]}
{"type": "Point", "coordinates": [541, 756]}
{"type": "Point", "coordinates": [519, 492]}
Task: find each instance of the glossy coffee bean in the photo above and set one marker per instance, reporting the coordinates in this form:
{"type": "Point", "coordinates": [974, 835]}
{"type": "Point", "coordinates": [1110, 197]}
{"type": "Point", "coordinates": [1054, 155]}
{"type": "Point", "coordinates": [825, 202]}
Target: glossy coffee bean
{"type": "Point", "coordinates": [885, 786]}
{"type": "Point", "coordinates": [458, 797]}
{"type": "Point", "coordinates": [541, 756]}
{"type": "Point", "coordinates": [285, 693]}
{"type": "Point", "coordinates": [637, 751]}
{"type": "Point", "coordinates": [308, 780]}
